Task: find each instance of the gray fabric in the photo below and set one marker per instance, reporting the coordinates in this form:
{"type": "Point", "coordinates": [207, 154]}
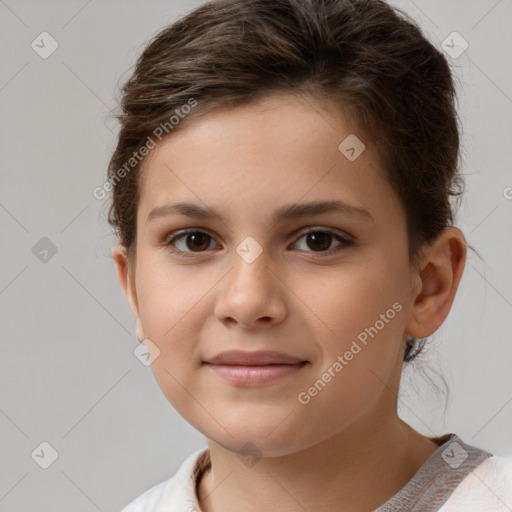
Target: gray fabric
{"type": "Point", "coordinates": [435, 481]}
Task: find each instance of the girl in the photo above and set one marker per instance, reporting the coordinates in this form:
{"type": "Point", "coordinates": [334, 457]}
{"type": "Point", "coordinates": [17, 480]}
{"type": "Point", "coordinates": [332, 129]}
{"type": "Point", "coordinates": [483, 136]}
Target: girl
{"type": "Point", "coordinates": [282, 191]}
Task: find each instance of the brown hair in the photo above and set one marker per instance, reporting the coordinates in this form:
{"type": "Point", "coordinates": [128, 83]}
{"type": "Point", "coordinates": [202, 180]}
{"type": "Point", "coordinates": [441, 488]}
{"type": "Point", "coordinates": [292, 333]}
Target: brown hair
{"type": "Point", "coordinates": [367, 57]}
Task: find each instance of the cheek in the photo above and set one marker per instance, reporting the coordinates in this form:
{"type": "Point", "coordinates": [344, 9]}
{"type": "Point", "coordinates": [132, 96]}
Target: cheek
{"type": "Point", "coordinates": [359, 331]}
{"type": "Point", "coordinates": [172, 323]}
{"type": "Point", "coordinates": [168, 296]}
{"type": "Point", "coordinates": [172, 308]}
{"type": "Point", "coordinates": [357, 302]}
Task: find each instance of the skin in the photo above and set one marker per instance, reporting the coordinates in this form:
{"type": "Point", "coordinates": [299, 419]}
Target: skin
{"type": "Point", "coordinates": [346, 447]}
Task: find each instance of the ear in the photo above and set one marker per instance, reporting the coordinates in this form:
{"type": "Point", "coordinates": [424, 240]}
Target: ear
{"type": "Point", "coordinates": [438, 277]}
{"type": "Point", "coordinates": [127, 282]}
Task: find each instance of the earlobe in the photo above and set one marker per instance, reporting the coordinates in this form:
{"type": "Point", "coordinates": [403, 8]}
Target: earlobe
{"type": "Point", "coordinates": [127, 282]}
{"type": "Point", "coordinates": [440, 273]}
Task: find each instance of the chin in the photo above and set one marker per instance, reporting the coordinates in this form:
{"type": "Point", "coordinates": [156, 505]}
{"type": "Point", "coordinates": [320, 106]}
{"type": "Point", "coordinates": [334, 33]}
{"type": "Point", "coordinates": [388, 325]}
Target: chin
{"type": "Point", "coordinates": [256, 439]}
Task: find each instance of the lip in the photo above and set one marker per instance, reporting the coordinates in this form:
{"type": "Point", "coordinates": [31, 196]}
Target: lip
{"type": "Point", "coordinates": [258, 358]}
{"type": "Point", "coordinates": [254, 368]}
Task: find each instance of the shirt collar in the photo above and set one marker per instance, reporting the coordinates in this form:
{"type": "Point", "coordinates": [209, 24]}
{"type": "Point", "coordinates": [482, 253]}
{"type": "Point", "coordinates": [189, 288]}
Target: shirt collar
{"type": "Point", "coordinates": [180, 491]}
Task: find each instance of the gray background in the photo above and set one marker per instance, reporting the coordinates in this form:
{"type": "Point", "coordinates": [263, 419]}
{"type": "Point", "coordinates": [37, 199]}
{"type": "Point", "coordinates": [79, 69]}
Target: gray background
{"type": "Point", "coordinates": [68, 375]}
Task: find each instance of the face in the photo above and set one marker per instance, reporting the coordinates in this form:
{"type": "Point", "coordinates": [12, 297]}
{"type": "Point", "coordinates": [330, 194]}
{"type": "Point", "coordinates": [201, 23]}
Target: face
{"type": "Point", "coordinates": [326, 284]}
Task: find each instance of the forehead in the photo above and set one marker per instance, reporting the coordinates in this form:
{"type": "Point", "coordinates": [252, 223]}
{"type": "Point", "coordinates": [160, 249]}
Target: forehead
{"type": "Point", "coordinates": [291, 126]}
{"type": "Point", "coordinates": [279, 147]}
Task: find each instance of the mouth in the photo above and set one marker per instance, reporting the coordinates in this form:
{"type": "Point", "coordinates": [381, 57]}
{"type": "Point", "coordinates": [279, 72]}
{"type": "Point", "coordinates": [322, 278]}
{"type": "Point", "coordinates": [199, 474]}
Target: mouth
{"type": "Point", "coordinates": [254, 368]}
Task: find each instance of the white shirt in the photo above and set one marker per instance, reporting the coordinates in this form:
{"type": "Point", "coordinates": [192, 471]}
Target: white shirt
{"type": "Point", "coordinates": [457, 478]}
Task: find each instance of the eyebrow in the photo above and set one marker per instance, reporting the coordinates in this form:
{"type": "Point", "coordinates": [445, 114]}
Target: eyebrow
{"type": "Point", "coordinates": [287, 212]}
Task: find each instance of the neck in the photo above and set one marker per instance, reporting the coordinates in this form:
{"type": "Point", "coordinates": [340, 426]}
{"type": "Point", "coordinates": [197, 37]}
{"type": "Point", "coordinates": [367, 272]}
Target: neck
{"type": "Point", "coordinates": [356, 470]}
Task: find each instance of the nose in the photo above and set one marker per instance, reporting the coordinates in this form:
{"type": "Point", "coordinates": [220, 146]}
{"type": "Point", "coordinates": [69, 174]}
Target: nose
{"type": "Point", "coordinates": [251, 297]}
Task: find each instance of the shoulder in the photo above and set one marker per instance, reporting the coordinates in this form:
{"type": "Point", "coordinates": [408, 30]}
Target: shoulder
{"type": "Point", "coordinates": [148, 501]}
{"type": "Point", "coordinates": [176, 490]}
{"type": "Point", "coordinates": [488, 487]}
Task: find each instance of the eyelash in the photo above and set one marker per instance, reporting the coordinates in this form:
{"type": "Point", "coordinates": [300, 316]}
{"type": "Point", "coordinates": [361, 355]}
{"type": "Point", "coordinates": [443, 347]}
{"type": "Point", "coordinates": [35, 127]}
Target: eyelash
{"type": "Point", "coordinates": [344, 242]}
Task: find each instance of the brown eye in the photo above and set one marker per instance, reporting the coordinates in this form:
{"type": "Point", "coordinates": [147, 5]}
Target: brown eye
{"type": "Point", "coordinates": [198, 241]}
{"type": "Point", "coordinates": [191, 241]}
{"type": "Point", "coordinates": [318, 241]}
